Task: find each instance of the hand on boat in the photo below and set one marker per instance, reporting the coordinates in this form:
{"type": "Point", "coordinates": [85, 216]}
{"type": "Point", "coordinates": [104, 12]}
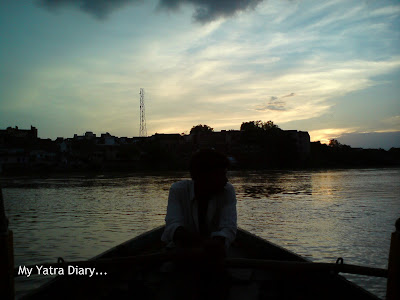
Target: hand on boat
{"type": "Point", "coordinates": [214, 249]}
{"type": "Point", "coordinates": [185, 239]}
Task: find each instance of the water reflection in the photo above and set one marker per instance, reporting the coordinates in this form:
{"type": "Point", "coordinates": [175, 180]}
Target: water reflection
{"type": "Point", "coordinates": [321, 215]}
{"type": "Point", "coordinates": [257, 191]}
{"type": "Point", "coordinates": [270, 184]}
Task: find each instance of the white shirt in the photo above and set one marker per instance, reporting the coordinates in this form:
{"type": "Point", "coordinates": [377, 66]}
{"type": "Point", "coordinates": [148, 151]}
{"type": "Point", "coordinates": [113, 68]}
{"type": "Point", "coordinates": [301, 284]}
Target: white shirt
{"type": "Point", "coordinates": [182, 210]}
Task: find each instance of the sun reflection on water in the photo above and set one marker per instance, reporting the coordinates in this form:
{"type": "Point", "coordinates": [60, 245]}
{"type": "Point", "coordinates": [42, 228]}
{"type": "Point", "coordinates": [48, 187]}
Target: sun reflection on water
{"type": "Point", "coordinates": [321, 215]}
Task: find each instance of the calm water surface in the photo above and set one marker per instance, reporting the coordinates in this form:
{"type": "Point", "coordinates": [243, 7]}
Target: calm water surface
{"type": "Point", "coordinates": [321, 215]}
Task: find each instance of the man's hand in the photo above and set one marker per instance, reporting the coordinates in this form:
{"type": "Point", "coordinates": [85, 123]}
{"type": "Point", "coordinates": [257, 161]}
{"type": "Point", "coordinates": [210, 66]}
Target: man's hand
{"type": "Point", "coordinates": [185, 239]}
{"type": "Point", "coordinates": [219, 239]}
{"type": "Point", "coordinates": [214, 249]}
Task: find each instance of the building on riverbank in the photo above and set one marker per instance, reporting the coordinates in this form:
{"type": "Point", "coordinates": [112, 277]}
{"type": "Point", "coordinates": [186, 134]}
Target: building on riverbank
{"type": "Point", "coordinates": [22, 151]}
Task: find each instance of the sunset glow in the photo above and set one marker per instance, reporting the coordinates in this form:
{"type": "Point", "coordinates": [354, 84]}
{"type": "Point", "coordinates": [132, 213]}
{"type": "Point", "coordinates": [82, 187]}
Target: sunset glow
{"type": "Point", "coordinates": [330, 68]}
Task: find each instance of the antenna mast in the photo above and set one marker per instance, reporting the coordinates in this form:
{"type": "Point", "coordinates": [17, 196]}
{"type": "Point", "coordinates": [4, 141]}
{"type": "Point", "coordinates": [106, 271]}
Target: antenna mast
{"type": "Point", "coordinates": [143, 129]}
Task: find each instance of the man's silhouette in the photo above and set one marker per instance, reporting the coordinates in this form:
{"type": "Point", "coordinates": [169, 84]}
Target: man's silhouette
{"type": "Point", "coordinates": [202, 210]}
{"type": "Point", "coordinates": [201, 214]}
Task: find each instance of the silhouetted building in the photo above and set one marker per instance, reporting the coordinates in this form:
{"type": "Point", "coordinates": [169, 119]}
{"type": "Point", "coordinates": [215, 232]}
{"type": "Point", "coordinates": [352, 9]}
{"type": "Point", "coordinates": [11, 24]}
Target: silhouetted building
{"type": "Point", "coordinates": [302, 140]}
{"type": "Point", "coordinates": [107, 139]}
{"type": "Point", "coordinates": [22, 149]}
{"type": "Point", "coordinates": [168, 141]}
{"type": "Point", "coordinates": [15, 135]}
{"type": "Point", "coordinates": [87, 136]}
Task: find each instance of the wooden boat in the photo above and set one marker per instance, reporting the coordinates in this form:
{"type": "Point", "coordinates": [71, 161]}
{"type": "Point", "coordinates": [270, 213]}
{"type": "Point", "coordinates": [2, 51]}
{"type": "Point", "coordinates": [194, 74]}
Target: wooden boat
{"type": "Point", "coordinates": [146, 276]}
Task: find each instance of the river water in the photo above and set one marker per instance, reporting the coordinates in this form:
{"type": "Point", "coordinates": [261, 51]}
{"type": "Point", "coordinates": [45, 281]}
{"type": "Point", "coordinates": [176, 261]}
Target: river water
{"type": "Point", "coordinates": [321, 215]}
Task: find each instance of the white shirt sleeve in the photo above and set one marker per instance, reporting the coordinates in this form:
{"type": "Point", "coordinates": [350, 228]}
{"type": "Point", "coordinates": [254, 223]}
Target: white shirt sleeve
{"type": "Point", "coordinates": [228, 219]}
{"type": "Point", "coordinates": [174, 217]}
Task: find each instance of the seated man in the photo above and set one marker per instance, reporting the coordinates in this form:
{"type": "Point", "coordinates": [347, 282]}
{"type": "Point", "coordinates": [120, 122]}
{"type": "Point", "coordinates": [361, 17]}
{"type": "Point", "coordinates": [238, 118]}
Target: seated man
{"type": "Point", "coordinates": [202, 211]}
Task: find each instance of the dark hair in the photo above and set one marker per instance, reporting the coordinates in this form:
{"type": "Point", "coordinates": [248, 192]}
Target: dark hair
{"type": "Point", "coordinates": [207, 160]}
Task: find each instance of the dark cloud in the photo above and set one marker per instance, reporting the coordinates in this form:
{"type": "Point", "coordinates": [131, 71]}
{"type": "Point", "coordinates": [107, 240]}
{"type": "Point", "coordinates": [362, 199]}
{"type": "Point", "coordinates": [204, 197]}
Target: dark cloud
{"type": "Point", "coordinates": [97, 8]}
{"type": "Point", "coordinates": [273, 104]}
{"type": "Point", "coordinates": [204, 10]}
{"type": "Point", "coordinates": [289, 95]}
{"type": "Point", "coordinates": [210, 10]}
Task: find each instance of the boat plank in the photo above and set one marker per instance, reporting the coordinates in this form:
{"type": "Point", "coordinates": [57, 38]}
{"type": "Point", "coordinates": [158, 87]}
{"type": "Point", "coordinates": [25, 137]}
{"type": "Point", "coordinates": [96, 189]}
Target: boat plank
{"type": "Point", "coordinates": [156, 281]}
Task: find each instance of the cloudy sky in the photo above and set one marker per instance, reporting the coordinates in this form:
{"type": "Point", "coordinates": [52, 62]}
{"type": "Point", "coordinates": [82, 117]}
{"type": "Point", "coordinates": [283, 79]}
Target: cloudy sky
{"type": "Point", "coordinates": [328, 67]}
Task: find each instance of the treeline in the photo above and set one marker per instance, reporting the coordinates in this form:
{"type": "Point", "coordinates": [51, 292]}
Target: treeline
{"type": "Point", "coordinates": [337, 155]}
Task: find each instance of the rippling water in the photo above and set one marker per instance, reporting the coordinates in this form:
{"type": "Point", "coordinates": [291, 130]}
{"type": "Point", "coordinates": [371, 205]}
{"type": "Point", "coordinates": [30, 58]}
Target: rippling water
{"type": "Point", "coordinates": [321, 215]}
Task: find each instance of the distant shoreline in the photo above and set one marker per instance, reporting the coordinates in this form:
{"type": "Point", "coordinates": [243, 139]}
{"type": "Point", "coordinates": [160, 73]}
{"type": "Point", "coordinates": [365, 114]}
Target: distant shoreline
{"type": "Point", "coordinates": [107, 173]}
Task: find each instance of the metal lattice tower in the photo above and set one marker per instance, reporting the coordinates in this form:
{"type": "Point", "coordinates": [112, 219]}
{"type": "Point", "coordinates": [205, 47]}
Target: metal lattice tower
{"type": "Point", "coordinates": [143, 129]}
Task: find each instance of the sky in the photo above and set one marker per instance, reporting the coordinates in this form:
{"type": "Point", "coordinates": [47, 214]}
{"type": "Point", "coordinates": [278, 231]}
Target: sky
{"type": "Point", "coordinates": [331, 68]}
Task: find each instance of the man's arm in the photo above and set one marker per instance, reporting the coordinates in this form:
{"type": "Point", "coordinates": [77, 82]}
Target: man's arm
{"type": "Point", "coordinates": [228, 218]}
{"type": "Point", "coordinates": [174, 218]}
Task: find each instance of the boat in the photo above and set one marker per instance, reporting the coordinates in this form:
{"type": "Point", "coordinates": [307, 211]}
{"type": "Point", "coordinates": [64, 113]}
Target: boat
{"type": "Point", "coordinates": [256, 268]}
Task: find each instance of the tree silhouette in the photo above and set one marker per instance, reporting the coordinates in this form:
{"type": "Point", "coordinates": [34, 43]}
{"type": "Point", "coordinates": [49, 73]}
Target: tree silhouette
{"type": "Point", "coordinates": [338, 146]}
{"type": "Point", "coordinates": [269, 125]}
{"type": "Point", "coordinates": [201, 129]}
{"type": "Point", "coordinates": [334, 143]}
{"type": "Point", "coordinates": [251, 126]}
{"type": "Point", "coordinates": [259, 126]}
